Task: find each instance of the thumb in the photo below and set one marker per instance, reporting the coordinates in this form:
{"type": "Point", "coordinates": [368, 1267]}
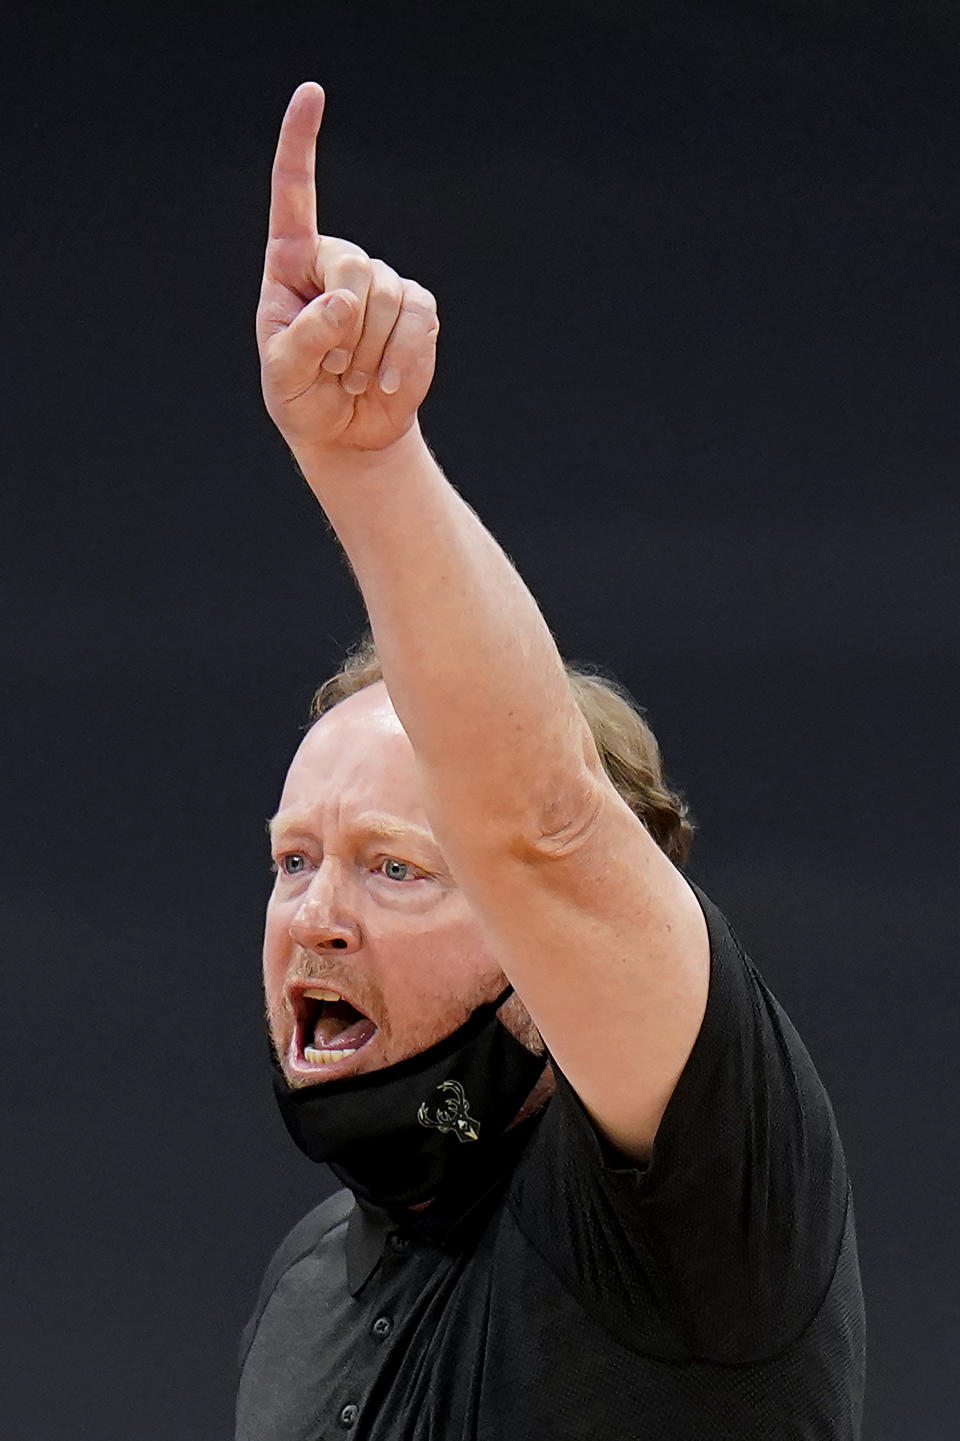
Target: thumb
{"type": "Point", "coordinates": [320, 327]}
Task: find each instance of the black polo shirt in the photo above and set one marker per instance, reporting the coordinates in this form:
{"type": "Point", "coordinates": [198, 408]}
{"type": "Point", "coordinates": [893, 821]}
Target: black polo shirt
{"type": "Point", "coordinates": [711, 1294]}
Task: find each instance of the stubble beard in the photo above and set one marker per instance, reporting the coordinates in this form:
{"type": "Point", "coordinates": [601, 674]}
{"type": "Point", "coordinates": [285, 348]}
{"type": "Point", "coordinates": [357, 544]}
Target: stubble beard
{"type": "Point", "coordinates": [513, 1014]}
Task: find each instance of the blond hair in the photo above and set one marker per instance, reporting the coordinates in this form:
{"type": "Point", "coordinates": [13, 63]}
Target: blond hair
{"type": "Point", "coordinates": [627, 746]}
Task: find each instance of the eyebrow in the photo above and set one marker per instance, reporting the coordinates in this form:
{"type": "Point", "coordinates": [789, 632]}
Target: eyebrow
{"type": "Point", "coordinates": [371, 824]}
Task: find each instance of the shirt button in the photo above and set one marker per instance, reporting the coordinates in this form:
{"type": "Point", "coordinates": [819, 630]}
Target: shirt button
{"type": "Point", "coordinates": [400, 1244]}
{"type": "Point", "coordinates": [349, 1415]}
{"type": "Point", "coordinates": [382, 1327]}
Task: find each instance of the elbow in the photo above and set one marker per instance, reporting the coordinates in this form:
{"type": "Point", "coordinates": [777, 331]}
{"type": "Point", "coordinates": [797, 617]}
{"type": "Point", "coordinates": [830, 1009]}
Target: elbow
{"type": "Point", "coordinates": [527, 807]}
{"type": "Point", "coordinates": [576, 796]}
{"type": "Point", "coordinates": [566, 821]}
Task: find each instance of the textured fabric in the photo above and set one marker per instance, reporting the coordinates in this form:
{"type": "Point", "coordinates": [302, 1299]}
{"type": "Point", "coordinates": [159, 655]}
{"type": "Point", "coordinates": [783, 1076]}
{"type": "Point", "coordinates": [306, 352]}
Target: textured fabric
{"type": "Point", "coordinates": [709, 1295]}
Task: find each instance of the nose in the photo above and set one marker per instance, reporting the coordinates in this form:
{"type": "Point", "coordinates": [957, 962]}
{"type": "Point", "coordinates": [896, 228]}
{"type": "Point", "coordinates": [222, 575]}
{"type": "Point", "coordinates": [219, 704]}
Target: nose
{"type": "Point", "coordinates": [325, 920]}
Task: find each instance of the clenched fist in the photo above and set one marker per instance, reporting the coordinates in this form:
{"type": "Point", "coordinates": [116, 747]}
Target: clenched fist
{"type": "Point", "coordinates": [347, 348]}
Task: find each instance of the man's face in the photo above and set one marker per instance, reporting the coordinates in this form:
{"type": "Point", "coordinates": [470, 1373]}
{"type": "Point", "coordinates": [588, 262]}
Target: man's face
{"type": "Point", "coordinates": [364, 906]}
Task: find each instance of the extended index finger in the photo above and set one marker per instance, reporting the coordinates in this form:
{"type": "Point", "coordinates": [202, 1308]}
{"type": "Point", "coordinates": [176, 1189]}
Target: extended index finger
{"type": "Point", "coordinates": [293, 186]}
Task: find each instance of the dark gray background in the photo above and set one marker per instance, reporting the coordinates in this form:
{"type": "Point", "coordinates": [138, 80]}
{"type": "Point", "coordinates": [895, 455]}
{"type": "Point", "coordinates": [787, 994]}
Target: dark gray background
{"type": "Point", "coordinates": [697, 268]}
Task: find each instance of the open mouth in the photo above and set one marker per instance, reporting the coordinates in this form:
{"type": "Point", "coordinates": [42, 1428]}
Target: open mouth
{"type": "Point", "coordinates": [330, 1029]}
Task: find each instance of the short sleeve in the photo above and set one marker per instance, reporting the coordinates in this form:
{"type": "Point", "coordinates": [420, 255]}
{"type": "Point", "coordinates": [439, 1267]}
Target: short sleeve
{"type": "Point", "coordinates": [723, 1245]}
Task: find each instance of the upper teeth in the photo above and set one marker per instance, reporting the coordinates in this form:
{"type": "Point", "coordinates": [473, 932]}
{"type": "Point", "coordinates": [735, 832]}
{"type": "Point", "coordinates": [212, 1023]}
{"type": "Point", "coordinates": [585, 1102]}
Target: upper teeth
{"type": "Point", "coordinates": [315, 994]}
{"type": "Point", "coordinates": [319, 1056]}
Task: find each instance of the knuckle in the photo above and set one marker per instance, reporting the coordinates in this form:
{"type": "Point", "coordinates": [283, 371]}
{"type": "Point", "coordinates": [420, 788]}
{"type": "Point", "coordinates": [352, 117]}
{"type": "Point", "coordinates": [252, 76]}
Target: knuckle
{"type": "Point", "coordinates": [426, 296]}
{"type": "Point", "coordinates": [419, 300]}
{"type": "Point", "coordinates": [347, 268]}
{"type": "Point", "coordinates": [386, 280]}
{"type": "Point", "coordinates": [331, 249]}
{"type": "Point", "coordinates": [357, 250]}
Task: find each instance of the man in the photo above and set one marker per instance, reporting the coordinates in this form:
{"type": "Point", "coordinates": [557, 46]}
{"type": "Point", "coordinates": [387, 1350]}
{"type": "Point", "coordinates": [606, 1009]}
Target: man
{"type": "Point", "coordinates": [608, 1202]}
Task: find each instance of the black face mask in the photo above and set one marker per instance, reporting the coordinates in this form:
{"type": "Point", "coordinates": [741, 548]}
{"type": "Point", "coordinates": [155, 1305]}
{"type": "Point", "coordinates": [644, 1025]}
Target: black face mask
{"type": "Point", "coordinates": [398, 1136]}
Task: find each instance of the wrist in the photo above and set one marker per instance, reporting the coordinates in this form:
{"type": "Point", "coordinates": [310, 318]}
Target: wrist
{"type": "Point", "coordinates": [324, 465]}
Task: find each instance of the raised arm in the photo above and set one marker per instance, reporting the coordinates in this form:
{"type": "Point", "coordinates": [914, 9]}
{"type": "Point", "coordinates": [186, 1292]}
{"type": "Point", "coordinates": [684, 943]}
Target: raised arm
{"type": "Point", "coordinates": [601, 936]}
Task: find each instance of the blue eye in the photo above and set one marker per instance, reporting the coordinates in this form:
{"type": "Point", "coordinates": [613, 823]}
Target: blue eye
{"type": "Point", "coordinates": [292, 865]}
{"type": "Point", "coordinates": [393, 869]}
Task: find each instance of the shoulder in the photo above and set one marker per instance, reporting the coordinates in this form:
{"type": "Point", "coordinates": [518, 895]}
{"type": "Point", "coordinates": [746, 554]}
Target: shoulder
{"type": "Point", "coordinates": [310, 1231]}
{"type": "Point", "coordinates": [303, 1238]}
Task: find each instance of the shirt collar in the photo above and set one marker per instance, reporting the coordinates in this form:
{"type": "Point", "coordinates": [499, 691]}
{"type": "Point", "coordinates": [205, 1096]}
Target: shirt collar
{"type": "Point", "coordinates": [367, 1230]}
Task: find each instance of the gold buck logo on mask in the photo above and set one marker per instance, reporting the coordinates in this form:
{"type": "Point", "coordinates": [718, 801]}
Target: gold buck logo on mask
{"type": "Point", "coordinates": [447, 1111]}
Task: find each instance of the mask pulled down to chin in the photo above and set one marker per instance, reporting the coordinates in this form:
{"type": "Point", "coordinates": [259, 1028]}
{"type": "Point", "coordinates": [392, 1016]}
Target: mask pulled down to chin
{"type": "Point", "coordinates": [402, 1135]}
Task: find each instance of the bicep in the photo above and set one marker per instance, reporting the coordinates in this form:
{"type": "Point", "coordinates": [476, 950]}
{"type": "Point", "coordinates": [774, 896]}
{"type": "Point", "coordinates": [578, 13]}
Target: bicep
{"type": "Point", "coordinates": [607, 947]}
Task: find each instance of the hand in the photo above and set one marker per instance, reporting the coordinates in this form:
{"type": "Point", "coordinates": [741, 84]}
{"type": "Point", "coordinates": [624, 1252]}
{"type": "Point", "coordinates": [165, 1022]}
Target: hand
{"type": "Point", "coordinates": [347, 348]}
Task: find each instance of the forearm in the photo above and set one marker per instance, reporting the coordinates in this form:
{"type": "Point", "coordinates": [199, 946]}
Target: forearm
{"type": "Point", "coordinates": [470, 664]}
